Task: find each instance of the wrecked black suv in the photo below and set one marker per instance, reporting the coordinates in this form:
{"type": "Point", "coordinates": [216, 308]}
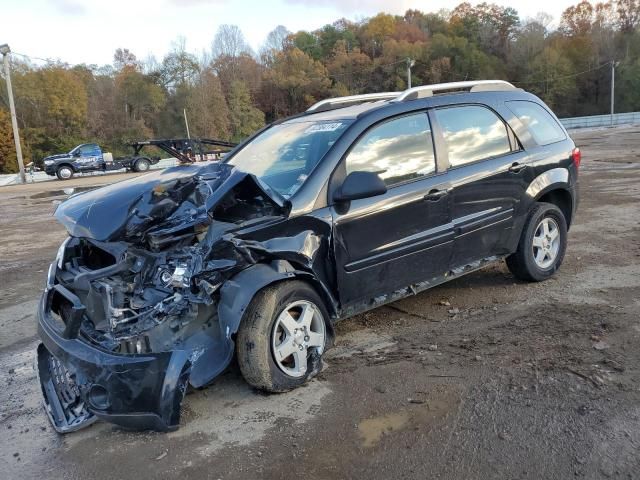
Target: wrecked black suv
{"type": "Point", "coordinates": [357, 202]}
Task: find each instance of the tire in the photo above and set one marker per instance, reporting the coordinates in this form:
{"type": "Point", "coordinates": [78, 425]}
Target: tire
{"type": "Point", "coordinates": [64, 172]}
{"type": "Point", "coordinates": [142, 165]}
{"type": "Point", "coordinates": [262, 334]}
{"type": "Point", "coordinates": [540, 253]}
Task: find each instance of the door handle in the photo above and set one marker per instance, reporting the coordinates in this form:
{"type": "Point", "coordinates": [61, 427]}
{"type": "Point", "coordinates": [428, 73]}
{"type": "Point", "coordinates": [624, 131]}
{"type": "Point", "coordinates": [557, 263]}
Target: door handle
{"type": "Point", "coordinates": [435, 195]}
{"type": "Point", "coordinates": [517, 167]}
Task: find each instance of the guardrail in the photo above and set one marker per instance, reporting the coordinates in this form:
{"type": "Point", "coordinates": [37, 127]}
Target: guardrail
{"type": "Point", "coordinates": [592, 121]}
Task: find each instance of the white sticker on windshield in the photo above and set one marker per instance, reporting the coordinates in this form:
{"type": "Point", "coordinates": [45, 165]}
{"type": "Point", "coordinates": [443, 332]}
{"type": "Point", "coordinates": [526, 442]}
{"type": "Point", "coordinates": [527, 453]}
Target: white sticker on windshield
{"type": "Point", "coordinates": [323, 127]}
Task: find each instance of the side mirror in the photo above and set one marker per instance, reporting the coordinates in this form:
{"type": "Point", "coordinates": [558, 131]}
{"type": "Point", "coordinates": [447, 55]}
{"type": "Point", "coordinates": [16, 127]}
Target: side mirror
{"type": "Point", "coordinates": [76, 153]}
{"type": "Point", "coordinates": [360, 185]}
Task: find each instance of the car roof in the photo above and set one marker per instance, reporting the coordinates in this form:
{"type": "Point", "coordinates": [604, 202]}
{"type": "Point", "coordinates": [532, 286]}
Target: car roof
{"type": "Point", "coordinates": [440, 96]}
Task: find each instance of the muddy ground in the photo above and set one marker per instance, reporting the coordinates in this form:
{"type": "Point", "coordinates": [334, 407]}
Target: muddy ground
{"type": "Point", "coordinates": [484, 377]}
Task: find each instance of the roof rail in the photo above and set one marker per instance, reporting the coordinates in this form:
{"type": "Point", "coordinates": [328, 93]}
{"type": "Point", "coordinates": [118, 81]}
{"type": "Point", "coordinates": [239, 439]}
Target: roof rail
{"type": "Point", "coordinates": [412, 93]}
{"type": "Point", "coordinates": [471, 86]}
{"type": "Point", "coordinates": [340, 102]}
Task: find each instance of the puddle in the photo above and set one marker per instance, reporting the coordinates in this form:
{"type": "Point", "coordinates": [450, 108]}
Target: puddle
{"type": "Point", "coordinates": [63, 192]}
{"type": "Point", "coordinates": [372, 429]}
{"type": "Point", "coordinates": [418, 417]}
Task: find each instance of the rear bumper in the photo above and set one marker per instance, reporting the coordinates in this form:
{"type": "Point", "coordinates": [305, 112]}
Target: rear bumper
{"type": "Point", "coordinates": [80, 381]}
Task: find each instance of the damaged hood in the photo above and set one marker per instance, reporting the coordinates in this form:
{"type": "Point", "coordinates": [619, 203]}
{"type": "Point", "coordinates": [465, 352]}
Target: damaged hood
{"type": "Point", "coordinates": [181, 195]}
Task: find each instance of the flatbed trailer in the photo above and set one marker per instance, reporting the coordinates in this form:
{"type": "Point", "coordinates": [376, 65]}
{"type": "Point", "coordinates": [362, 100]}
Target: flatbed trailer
{"type": "Point", "coordinates": [89, 157]}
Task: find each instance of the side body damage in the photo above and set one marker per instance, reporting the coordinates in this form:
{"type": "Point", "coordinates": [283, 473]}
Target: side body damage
{"type": "Point", "coordinates": [141, 286]}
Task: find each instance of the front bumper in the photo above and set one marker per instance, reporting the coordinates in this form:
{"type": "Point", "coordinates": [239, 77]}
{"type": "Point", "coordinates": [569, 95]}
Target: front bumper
{"type": "Point", "coordinates": [81, 381]}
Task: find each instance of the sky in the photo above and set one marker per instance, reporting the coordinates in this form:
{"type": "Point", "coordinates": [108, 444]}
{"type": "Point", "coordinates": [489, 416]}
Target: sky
{"type": "Point", "coordinates": [89, 31]}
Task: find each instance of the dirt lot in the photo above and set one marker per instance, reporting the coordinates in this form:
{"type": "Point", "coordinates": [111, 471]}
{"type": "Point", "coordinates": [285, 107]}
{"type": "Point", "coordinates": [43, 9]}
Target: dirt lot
{"type": "Point", "coordinates": [484, 377]}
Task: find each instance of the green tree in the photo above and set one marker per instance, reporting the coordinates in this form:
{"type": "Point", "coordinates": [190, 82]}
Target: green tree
{"type": "Point", "coordinates": [245, 118]}
{"type": "Point", "coordinates": [551, 80]}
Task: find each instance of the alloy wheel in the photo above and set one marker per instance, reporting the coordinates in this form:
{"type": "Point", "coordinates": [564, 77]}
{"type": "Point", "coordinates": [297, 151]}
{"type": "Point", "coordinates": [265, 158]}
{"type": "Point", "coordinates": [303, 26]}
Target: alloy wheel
{"type": "Point", "coordinates": [298, 330]}
{"type": "Point", "coordinates": [546, 243]}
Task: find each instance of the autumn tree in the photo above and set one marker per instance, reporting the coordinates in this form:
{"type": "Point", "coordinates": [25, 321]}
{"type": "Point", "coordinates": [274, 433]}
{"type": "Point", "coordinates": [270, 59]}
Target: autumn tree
{"type": "Point", "coordinates": [8, 160]}
{"type": "Point", "coordinates": [298, 79]}
{"type": "Point", "coordinates": [206, 105]}
{"type": "Point", "coordinates": [351, 68]}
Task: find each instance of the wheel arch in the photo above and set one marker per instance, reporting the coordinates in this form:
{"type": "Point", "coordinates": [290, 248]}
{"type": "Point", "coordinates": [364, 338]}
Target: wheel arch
{"type": "Point", "coordinates": [553, 187]}
{"type": "Point", "coordinates": [237, 293]}
{"type": "Point", "coordinates": [561, 198]}
{"type": "Point", "coordinates": [67, 164]}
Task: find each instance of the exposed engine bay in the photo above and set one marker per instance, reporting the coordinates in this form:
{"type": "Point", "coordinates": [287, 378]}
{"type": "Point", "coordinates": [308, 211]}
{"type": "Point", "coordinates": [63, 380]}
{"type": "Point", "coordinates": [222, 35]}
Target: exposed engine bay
{"type": "Point", "coordinates": [163, 274]}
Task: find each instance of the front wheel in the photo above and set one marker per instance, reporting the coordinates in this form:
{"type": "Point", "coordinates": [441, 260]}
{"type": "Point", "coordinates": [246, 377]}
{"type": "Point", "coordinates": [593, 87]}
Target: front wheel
{"type": "Point", "coordinates": [64, 172]}
{"type": "Point", "coordinates": [282, 337]}
{"type": "Point", "coordinates": [542, 244]}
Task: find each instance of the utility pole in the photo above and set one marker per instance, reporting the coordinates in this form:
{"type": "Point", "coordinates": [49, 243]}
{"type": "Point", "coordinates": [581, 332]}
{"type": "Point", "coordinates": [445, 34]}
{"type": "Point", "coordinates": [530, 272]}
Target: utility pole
{"type": "Point", "coordinates": [614, 64]}
{"type": "Point", "coordinates": [186, 123]}
{"type": "Point", "coordinates": [5, 50]}
{"type": "Point", "coordinates": [410, 63]}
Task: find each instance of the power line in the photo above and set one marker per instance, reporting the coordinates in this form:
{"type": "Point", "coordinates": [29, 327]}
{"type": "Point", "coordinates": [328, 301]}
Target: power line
{"type": "Point", "coordinates": [368, 69]}
{"type": "Point", "coordinates": [29, 57]}
{"type": "Point", "coordinates": [525, 82]}
{"type": "Point", "coordinates": [555, 79]}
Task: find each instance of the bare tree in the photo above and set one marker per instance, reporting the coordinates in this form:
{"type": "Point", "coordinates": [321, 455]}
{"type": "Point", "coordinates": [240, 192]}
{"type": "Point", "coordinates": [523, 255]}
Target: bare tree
{"type": "Point", "coordinates": [124, 58]}
{"type": "Point", "coordinates": [229, 42]}
{"type": "Point", "coordinates": [275, 42]}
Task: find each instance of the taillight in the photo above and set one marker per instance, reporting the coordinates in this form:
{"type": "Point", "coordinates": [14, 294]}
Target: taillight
{"type": "Point", "coordinates": [576, 156]}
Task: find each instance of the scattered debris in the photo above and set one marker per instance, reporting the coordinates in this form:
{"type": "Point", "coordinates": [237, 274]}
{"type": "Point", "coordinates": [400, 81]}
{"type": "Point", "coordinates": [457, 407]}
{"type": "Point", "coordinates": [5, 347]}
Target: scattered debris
{"type": "Point", "coordinates": [600, 345]}
{"type": "Point", "coordinates": [432, 348]}
{"type": "Point", "coordinates": [162, 455]}
{"type": "Point", "coordinates": [613, 364]}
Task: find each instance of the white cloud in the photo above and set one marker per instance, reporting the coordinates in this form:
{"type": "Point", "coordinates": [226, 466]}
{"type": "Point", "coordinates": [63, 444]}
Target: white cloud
{"type": "Point", "coordinates": [69, 7]}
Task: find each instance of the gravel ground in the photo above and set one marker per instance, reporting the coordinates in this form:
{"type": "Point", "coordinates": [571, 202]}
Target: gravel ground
{"type": "Point", "coordinates": [484, 377]}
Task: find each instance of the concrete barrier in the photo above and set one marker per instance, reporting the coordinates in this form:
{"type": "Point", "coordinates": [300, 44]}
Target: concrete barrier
{"type": "Point", "coordinates": [592, 121]}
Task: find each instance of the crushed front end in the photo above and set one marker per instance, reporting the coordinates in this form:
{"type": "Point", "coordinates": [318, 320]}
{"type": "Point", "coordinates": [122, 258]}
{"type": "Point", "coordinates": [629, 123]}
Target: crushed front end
{"type": "Point", "coordinates": [129, 317]}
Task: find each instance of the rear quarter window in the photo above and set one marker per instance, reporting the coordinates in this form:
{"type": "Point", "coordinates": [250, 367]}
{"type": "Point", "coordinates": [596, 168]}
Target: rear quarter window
{"type": "Point", "coordinates": [543, 127]}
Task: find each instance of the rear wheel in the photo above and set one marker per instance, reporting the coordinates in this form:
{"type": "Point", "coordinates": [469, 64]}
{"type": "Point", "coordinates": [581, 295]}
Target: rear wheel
{"type": "Point", "coordinates": [542, 244]}
{"type": "Point", "coordinates": [64, 172]}
{"type": "Point", "coordinates": [282, 337]}
{"type": "Point", "coordinates": [142, 165]}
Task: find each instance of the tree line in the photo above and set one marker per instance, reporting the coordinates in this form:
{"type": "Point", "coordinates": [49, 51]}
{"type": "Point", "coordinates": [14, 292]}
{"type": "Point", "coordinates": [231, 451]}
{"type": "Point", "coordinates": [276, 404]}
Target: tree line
{"type": "Point", "coordinates": [231, 91]}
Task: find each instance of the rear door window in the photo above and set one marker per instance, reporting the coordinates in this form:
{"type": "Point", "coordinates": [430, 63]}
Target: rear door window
{"type": "Point", "coordinates": [397, 150]}
{"type": "Point", "coordinates": [543, 127]}
{"type": "Point", "coordinates": [472, 133]}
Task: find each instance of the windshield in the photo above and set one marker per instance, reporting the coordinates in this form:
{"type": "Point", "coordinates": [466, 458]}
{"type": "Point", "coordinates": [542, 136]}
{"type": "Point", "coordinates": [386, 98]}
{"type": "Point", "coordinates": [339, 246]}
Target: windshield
{"type": "Point", "coordinates": [284, 155]}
